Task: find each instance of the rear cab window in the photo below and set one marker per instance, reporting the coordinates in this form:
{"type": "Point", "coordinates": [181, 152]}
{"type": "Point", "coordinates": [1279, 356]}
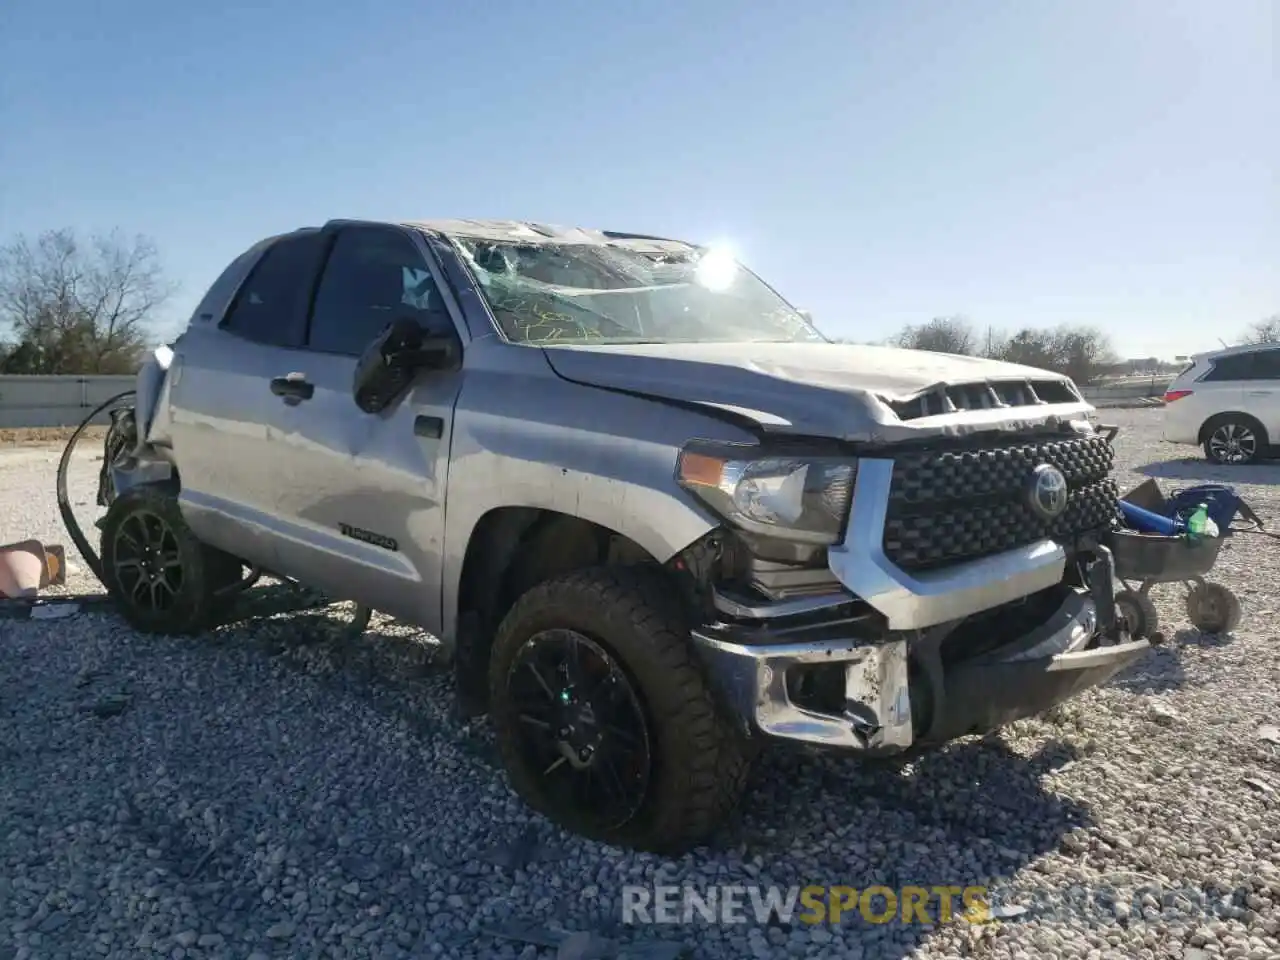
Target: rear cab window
{"type": "Point", "coordinates": [270, 307]}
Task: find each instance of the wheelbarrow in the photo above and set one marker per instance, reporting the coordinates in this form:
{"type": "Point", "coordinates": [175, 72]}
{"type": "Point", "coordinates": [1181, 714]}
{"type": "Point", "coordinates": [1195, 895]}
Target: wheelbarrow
{"type": "Point", "coordinates": [1146, 559]}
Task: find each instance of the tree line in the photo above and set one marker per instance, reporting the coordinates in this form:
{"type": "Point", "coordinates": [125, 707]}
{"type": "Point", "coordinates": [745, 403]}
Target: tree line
{"type": "Point", "coordinates": [1083, 353]}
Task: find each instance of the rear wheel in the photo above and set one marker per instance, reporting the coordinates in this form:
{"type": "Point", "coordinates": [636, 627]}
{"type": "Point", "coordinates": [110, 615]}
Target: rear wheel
{"type": "Point", "coordinates": [1234, 440]}
{"type": "Point", "coordinates": [603, 718]}
{"type": "Point", "coordinates": [160, 576]}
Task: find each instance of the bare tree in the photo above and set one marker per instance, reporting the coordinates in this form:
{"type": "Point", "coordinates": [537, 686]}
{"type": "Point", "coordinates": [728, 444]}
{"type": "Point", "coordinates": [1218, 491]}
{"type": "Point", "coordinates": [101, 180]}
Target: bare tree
{"type": "Point", "coordinates": [1082, 353]}
{"type": "Point", "coordinates": [1265, 331]}
{"type": "Point", "coordinates": [1032, 348]}
{"type": "Point", "coordinates": [994, 343]}
{"type": "Point", "coordinates": [68, 306]}
{"type": "Point", "coordinates": [941, 335]}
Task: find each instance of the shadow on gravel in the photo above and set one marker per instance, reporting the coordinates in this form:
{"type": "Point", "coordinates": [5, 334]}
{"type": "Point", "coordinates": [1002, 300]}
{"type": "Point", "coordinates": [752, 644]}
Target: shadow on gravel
{"type": "Point", "coordinates": [966, 790]}
{"type": "Point", "coordinates": [273, 599]}
{"type": "Point", "coordinates": [1201, 471]}
{"type": "Point", "coordinates": [973, 813]}
{"type": "Point", "coordinates": [1161, 670]}
{"type": "Point", "coordinates": [1191, 637]}
{"type": "Point", "coordinates": [310, 619]}
{"type": "Point", "coordinates": [316, 637]}
{"type": "Point", "coordinates": [313, 618]}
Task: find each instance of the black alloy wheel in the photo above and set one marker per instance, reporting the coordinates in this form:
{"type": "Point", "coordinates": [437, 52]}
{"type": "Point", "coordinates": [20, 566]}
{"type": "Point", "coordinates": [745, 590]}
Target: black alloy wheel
{"type": "Point", "coordinates": [583, 730]}
{"type": "Point", "coordinates": [148, 563]}
{"type": "Point", "coordinates": [161, 577]}
{"type": "Point", "coordinates": [604, 718]}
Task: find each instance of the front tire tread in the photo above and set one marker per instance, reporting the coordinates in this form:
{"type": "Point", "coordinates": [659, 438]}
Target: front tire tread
{"type": "Point", "coordinates": [702, 762]}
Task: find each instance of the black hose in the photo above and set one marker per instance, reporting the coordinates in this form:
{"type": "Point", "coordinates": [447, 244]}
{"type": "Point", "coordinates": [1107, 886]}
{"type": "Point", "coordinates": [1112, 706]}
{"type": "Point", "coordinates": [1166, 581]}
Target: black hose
{"type": "Point", "coordinates": [91, 558]}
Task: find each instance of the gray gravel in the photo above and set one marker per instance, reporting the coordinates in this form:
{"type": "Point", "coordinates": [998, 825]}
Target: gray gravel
{"type": "Point", "coordinates": [274, 790]}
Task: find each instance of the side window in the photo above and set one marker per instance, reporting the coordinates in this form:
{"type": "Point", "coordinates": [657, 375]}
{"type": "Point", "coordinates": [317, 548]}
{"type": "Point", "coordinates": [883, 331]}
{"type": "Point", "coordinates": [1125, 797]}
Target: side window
{"type": "Point", "coordinates": [1235, 367]}
{"type": "Point", "coordinates": [270, 305]}
{"type": "Point", "coordinates": [373, 276]}
{"type": "Point", "coordinates": [1266, 365]}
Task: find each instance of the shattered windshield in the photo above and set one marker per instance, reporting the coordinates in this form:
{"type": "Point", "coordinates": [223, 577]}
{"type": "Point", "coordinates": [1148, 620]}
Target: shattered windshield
{"type": "Point", "coordinates": [545, 292]}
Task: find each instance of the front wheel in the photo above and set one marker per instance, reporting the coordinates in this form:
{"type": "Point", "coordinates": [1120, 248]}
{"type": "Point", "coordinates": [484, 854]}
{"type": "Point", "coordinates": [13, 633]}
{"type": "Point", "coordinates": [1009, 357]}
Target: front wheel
{"type": "Point", "coordinates": [603, 719]}
{"type": "Point", "coordinates": [1138, 613]}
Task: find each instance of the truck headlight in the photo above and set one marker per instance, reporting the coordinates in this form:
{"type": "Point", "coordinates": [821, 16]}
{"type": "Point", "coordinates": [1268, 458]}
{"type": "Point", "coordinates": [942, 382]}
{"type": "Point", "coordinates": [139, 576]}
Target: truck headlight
{"type": "Point", "coordinates": [791, 497]}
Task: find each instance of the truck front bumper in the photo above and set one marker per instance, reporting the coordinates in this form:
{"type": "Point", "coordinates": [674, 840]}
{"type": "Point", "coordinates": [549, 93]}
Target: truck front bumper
{"type": "Point", "coordinates": [896, 693]}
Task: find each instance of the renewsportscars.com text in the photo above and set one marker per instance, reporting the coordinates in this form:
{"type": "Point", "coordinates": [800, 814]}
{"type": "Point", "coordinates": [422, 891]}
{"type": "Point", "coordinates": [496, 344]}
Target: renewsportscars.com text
{"type": "Point", "coordinates": [934, 904]}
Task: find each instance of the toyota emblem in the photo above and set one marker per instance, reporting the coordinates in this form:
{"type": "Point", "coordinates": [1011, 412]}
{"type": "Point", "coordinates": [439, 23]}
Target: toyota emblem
{"type": "Point", "coordinates": [1048, 494]}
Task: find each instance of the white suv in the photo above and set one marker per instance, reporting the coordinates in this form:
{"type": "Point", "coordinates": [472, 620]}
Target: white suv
{"type": "Point", "coordinates": [1228, 402]}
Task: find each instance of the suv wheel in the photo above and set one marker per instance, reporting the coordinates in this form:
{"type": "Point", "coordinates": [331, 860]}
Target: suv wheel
{"type": "Point", "coordinates": [161, 578]}
{"type": "Point", "coordinates": [603, 719]}
{"type": "Point", "coordinates": [1233, 440]}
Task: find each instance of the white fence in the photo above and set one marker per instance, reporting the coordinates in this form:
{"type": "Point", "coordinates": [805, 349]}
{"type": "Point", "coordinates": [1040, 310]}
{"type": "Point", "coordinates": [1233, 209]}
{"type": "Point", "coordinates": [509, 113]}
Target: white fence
{"type": "Point", "coordinates": [49, 401]}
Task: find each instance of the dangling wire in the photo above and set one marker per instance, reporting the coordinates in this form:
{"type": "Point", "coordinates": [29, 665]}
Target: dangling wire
{"type": "Point", "coordinates": [91, 559]}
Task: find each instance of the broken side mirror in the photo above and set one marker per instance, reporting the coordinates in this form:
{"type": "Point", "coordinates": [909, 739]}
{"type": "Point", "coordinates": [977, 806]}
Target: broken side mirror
{"type": "Point", "coordinates": [388, 366]}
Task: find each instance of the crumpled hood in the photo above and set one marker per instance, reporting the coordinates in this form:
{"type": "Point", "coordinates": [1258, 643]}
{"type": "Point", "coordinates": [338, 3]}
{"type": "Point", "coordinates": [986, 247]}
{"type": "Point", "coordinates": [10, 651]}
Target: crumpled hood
{"type": "Point", "coordinates": [819, 389]}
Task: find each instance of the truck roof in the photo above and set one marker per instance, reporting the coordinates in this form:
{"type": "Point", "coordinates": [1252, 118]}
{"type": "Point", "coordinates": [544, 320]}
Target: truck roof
{"type": "Point", "coordinates": [524, 231]}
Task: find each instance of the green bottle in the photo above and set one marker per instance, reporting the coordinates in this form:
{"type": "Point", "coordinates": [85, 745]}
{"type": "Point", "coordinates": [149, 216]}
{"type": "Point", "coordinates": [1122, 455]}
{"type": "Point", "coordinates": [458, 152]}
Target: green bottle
{"type": "Point", "coordinates": [1198, 522]}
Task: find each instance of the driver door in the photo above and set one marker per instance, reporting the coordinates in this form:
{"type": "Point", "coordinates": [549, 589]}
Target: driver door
{"type": "Point", "coordinates": [365, 492]}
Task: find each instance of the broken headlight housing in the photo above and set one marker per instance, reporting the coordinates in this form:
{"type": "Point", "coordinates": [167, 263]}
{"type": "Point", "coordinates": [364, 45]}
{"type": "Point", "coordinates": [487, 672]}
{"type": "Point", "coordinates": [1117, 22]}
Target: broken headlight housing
{"type": "Point", "coordinates": [791, 497]}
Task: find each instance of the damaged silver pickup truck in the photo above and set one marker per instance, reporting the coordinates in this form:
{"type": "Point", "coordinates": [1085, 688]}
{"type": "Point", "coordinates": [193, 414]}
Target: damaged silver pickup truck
{"type": "Point", "coordinates": [655, 517]}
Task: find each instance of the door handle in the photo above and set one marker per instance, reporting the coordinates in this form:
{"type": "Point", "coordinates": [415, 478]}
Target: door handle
{"type": "Point", "coordinates": [430, 428]}
{"type": "Point", "coordinates": [294, 387]}
{"type": "Point", "coordinates": [1259, 393]}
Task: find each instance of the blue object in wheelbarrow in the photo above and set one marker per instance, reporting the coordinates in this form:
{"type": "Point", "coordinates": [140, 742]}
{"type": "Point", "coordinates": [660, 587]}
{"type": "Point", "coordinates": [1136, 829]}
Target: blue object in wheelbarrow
{"type": "Point", "coordinates": [1147, 521]}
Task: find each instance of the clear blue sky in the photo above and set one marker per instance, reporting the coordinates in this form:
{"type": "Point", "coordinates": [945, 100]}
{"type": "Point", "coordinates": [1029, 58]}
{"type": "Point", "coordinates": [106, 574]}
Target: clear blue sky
{"type": "Point", "coordinates": [1023, 163]}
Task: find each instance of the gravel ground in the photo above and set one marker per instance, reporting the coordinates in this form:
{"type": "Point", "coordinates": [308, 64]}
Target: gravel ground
{"type": "Point", "coordinates": [274, 789]}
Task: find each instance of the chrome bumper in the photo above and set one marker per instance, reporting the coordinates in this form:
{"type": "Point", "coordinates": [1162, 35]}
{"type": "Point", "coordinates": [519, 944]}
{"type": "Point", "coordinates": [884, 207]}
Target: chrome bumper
{"type": "Point", "coordinates": [1027, 675]}
{"type": "Point", "coordinates": [910, 602]}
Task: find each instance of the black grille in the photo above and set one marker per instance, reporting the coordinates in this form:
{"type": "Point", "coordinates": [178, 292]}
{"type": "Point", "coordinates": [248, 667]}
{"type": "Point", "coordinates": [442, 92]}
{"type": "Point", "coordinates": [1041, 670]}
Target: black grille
{"type": "Point", "coordinates": [951, 505]}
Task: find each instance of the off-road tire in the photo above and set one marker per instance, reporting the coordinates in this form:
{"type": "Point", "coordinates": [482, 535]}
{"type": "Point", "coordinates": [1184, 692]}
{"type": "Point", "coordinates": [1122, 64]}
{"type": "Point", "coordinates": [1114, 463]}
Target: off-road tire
{"type": "Point", "coordinates": [700, 762]}
{"type": "Point", "coordinates": [207, 573]}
